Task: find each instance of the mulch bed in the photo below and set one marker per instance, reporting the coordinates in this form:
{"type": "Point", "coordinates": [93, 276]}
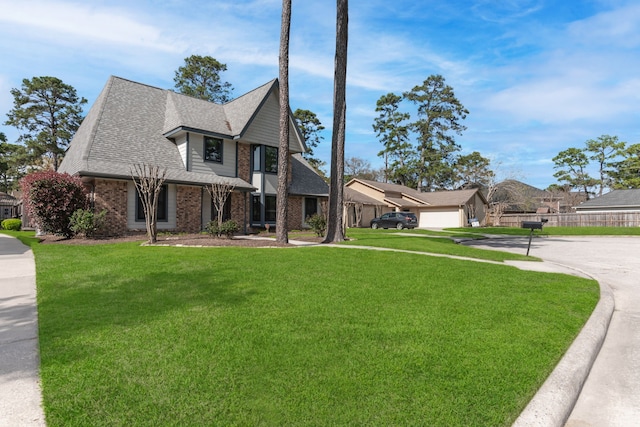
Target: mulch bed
{"type": "Point", "coordinates": [182, 240]}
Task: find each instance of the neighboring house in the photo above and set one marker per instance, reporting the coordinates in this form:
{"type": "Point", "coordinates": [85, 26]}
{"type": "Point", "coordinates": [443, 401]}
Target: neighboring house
{"type": "Point", "coordinates": [515, 197]}
{"type": "Point", "coordinates": [198, 143]}
{"type": "Point", "coordinates": [8, 206]}
{"type": "Point", "coordinates": [434, 209]}
{"type": "Point", "coordinates": [614, 201]}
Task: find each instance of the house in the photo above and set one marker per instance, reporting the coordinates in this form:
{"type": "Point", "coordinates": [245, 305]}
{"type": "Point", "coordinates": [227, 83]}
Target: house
{"type": "Point", "coordinates": [8, 206]}
{"type": "Point", "coordinates": [434, 209]}
{"type": "Point", "coordinates": [614, 201]}
{"type": "Point", "coordinates": [197, 143]}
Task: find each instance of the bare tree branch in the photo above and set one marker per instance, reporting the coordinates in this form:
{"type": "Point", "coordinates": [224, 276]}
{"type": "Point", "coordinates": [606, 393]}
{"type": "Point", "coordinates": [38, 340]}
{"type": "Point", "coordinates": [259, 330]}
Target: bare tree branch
{"type": "Point", "coordinates": [149, 180]}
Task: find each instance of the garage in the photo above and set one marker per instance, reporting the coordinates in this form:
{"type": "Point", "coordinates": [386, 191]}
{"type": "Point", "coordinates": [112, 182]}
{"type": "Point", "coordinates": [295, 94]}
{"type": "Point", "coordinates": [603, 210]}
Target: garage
{"type": "Point", "coordinates": [439, 218]}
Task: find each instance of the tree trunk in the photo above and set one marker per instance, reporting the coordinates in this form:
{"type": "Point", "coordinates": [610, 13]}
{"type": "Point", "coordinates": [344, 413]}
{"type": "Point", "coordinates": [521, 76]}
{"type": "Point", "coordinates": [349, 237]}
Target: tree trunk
{"type": "Point", "coordinates": [282, 199]}
{"type": "Point", "coordinates": [335, 220]}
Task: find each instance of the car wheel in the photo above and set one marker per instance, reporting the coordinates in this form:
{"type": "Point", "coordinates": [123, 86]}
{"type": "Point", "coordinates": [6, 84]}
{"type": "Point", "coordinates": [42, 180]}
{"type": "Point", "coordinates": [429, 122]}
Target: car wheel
{"type": "Point", "coordinates": [374, 225]}
{"type": "Point", "coordinates": [399, 226]}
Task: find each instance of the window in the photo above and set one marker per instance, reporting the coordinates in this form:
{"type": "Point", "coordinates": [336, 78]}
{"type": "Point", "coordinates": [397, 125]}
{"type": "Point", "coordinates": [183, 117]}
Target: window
{"type": "Point", "coordinates": [256, 208]}
{"type": "Point", "coordinates": [256, 158]}
{"type": "Point", "coordinates": [269, 208]}
{"type": "Point", "coordinates": [310, 207]}
{"type": "Point", "coordinates": [263, 213]}
{"type": "Point", "coordinates": [163, 206]}
{"type": "Point", "coordinates": [212, 149]}
{"type": "Point", "coordinates": [271, 159]}
{"type": "Point", "coordinates": [226, 210]}
{"type": "Point", "coordinates": [265, 159]}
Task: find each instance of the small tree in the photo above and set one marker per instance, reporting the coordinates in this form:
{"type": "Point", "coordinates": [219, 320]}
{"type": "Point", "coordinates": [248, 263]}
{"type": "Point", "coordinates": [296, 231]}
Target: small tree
{"type": "Point", "coordinates": [149, 181]}
{"type": "Point", "coordinates": [219, 193]}
{"type": "Point", "coordinates": [50, 198]}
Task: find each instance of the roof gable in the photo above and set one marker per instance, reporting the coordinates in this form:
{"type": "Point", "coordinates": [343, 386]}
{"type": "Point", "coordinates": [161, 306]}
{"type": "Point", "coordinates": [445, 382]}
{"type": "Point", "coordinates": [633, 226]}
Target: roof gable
{"type": "Point", "coordinates": [130, 123]}
{"type": "Point", "coordinates": [403, 196]}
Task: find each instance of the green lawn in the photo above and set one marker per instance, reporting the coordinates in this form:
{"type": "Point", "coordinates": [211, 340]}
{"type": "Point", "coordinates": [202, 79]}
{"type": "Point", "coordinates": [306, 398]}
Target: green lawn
{"type": "Point", "coordinates": [133, 335]}
{"type": "Point", "coordinates": [426, 241]}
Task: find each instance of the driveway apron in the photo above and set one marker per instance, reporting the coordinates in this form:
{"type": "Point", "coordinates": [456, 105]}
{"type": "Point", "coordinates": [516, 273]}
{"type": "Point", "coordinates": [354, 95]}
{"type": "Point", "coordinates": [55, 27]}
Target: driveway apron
{"type": "Point", "coordinates": [611, 393]}
{"type": "Point", "coordinates": [20, 393]}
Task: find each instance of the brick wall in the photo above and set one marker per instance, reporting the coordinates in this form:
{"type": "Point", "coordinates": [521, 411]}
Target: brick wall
{"type": "Point", "coordinates": [112, 196]}
{"type": "Point", "coordinates": [244, 162]}
{"type": "Point", "coordinates": [188, 206]}
{"type": "Point", "coordinates": [294, 216]}
{"type": "Point", "coordinates": [238, 209]}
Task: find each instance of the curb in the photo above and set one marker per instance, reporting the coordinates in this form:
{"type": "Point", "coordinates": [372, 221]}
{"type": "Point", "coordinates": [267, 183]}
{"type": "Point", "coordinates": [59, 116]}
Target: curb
{"type": "Point", "coordinates": [554, 401]}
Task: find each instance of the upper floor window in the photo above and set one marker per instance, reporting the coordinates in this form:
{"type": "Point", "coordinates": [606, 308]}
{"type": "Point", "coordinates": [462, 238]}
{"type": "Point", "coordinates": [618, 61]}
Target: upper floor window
{"type": "Point", "coordinates": [270, 159]}
{"type": "Point", "coordinates": [212, 149]}
{"type": "Point", "coordinates": [265, 159]}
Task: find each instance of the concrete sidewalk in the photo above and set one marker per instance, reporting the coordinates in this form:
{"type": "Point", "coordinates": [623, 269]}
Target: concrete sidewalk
{"type": "Point", "coordinates": [20, 393]}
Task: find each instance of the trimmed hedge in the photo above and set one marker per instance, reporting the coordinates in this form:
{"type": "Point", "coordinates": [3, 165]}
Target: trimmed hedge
{"type": "Point", "coordinates": [13, 224]}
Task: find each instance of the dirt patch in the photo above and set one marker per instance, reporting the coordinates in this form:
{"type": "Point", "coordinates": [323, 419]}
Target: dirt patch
{"type": "Point", "coordinates": [255, 241]}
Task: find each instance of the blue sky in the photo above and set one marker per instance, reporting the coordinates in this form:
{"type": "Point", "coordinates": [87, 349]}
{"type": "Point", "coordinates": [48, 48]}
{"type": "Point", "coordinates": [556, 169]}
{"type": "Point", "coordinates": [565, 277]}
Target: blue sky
{"type": "Point", "coordinates": [537, 76]}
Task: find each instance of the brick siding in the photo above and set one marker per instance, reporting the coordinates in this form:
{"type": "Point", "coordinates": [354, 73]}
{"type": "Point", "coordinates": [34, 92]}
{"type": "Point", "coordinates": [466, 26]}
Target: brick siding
{"type": "Point", "coordinates": [112, 196]}
{"type": "Point", "coordinates": [294, 216]}
{"type": "Point", "coordinates": [244, 162]}
{"type": "Point", "coordinates": [188, 209]}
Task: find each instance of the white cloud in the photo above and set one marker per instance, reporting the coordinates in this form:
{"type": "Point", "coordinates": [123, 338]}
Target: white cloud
{"type": "Point", "coordinates": [81, 22]}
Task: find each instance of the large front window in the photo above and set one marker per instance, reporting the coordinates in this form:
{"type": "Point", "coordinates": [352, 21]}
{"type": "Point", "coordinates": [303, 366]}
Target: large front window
{"type": "Point", "coordinates": [263, 212]}
{"type": "Point", "coordinates": [163, 206]}
{"type": "Point", "coordinates": [212, 149]}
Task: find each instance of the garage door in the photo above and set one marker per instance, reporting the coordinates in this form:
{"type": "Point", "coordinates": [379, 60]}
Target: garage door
{"type": "Point", "coordinates": [439, 218]}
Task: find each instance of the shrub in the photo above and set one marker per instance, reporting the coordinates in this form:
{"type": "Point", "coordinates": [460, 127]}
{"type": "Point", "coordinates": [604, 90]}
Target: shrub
{"type": "Point", "coordinates": [50, 198]}
{"type": "Point", "coordinates": [318, 224]}
{"type": "Point", "coordinates": [13, 224]}
{"type": "Point", "coordinates": [228, 228]}
{"type": "Point", "coordinates": [85, 222]}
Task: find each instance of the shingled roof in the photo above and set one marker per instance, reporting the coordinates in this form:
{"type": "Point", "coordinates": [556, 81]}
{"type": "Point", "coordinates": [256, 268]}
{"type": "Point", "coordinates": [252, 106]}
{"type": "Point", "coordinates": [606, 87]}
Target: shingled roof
{"type": "Point", "coordinates": [130, 123]}
{"type": "Point", "coordinates": [406, 197]}
{"type": "Point", "coordinates": [305, 180]}
{"type": "Point", "coordinates": [616, 199]}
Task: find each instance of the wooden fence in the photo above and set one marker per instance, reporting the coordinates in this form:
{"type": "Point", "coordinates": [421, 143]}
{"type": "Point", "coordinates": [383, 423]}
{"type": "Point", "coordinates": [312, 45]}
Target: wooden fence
{"type": "Point", "coordinates": [583, 219]}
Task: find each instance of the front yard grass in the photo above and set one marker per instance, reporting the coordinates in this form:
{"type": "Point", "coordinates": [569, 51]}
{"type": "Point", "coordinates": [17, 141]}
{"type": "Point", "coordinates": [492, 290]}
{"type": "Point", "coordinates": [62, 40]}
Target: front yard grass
{"type": "Point", "coordinates": [150, 336]}
{"type": "Point", "coordinates": [427, 241]}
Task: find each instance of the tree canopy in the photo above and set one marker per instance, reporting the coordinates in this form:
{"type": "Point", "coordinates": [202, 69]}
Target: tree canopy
{"type": "Point", "coordinates": [311, 128]}
{"type": "Point", "coordinates": [616, 165]}
{"type": "Point", "coordinates": [49, 112]}
{"type": "Point", "coordinates": [421, 153]}
{"type": "Point", "coordinates": [200, 77]}
{"type": "Point", "coordinates": [440, 115]}
{"type": "Point", "coordinates": [13, 160]}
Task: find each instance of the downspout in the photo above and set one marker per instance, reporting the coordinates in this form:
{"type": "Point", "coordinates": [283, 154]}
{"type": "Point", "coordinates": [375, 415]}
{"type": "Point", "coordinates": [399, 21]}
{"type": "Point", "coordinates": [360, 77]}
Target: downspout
{"type": "Point", "coordinates": [188, 155]}
{"type": "Point", "coordinates": [244, 212]}
{"type": "Point", "coordinates": [201, 208]}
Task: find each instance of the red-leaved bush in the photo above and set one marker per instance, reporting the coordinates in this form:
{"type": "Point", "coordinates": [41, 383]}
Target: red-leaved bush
{"type": "Point", "coordinates": [50, 198]}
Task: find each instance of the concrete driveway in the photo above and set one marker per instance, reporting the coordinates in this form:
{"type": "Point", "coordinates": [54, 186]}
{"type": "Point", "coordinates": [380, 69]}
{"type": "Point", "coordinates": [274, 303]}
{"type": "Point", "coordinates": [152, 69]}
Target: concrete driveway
{"type": "Point", "coordinates": [611, 393]}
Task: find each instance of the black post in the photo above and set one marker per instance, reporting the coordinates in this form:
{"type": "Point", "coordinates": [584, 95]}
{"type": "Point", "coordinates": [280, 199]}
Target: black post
{"type": "Point", "coordinates": [530, 236]}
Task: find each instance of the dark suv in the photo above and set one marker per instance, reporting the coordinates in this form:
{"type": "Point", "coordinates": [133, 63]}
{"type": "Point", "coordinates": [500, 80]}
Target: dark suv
{"type": "Point", "coordinates": [397, 220]}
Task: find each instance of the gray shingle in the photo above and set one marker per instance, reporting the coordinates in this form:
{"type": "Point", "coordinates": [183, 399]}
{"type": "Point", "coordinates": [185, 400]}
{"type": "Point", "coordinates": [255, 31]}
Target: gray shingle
{"type": "Point", "coordinates": [616, 198]}
{"type": "Point", "coordinates": [128, 122]}
{"type": "Point", "coordinates": [305, 180]}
